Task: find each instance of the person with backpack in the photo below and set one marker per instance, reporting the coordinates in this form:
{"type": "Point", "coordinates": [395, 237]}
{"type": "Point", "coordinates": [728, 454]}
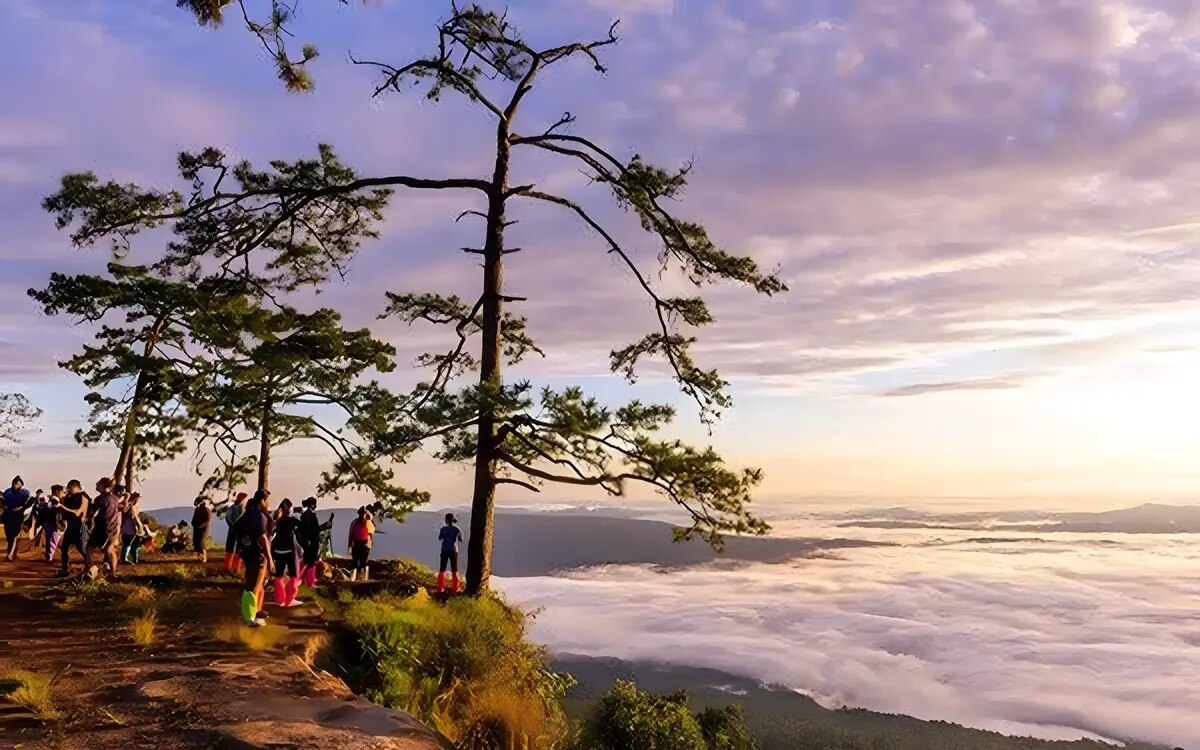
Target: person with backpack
{"type": "Point", "coordinates": [231, 518]}
{"type": "Point", "coordinates": [254, 547]}
{"type": "Point", "coordinates": [285, 553]}
{"type": "Point", "coordinates": [16, 501]}
{"type": "Point", "coordinates": [362, 536]}
{"type": "Point", "coordinates": [449, 536]}
{"type": "Point", "coordinates": [308, 536]}
{"type": "Point", "coordinates": [74, 511]}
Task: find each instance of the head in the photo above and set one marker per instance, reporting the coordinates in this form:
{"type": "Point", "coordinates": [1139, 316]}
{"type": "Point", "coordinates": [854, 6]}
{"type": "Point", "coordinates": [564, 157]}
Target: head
{"type": "Point", "coordinates": [285, 508]}
{"type": "Point", "coordinates": [199, 501]}
{"type": "Point", "coordinates": [240, 499]}
{"type": "Point", "coordinates": [104, 484]}
{"type": "Point", "coordinates": [135, 498]}
{"type": "Point", "coordinates": [363, 513]}
{"type": "Point", "coordinates": [310, 503]}
{"type": "Point", "coordinates": [261, 499]}
{"type": "Point", "coordinates": [182, 525]}
{"type": "Point", "coordinates": [57, 491]}
{"type": "Point", "coordinates": [450, 519]}
{"type": "Point", "coordinates": [120, 489]}
{"type": "Point", "coordinates": [18, 483]}
{"type": "Point", "coordinates": [40, 494]}
{"type": "Point", "coordinates": [74, 486]}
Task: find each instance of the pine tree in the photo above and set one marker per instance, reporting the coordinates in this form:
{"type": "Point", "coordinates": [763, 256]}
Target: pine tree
{"type": "Point", "coordinates": [509, 433]}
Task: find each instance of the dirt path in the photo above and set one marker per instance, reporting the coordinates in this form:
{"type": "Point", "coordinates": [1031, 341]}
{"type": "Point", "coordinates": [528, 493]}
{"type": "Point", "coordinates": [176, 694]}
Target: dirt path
{"type": "Point", "coordinates": [188, 689]}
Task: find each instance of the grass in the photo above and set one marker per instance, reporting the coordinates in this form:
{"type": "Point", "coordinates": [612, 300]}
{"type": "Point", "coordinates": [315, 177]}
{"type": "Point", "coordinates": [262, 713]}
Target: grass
{"type": "Point", "coordinates": [143, 628]}
{"type": "Point", "coordinates": [31, 690]}
{"type": "Point", "coordinates": [102, 593]}
{"type": "Point", "coordinates": [251, 639]}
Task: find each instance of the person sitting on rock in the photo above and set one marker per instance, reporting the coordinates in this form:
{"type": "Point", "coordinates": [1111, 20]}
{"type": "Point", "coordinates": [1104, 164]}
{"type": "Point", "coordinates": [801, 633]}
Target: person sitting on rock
{"type": "Point", "coordinates": [177, 538]}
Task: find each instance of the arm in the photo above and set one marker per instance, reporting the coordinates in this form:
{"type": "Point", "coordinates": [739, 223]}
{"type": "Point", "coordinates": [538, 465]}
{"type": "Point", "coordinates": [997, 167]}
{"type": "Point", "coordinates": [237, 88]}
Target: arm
{"type": "Point", "coordinates": [265, 543]}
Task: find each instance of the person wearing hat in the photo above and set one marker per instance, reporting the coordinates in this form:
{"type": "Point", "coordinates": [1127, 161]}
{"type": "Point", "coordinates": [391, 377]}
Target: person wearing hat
{"type": "Point", "coordinates": [16, 500]}
{"type": "Point", "coordinates": [449, 536]}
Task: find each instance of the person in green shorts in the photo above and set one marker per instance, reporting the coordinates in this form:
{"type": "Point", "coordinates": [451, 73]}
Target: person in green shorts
{"type": "Point", "coordinates": [254, 547]}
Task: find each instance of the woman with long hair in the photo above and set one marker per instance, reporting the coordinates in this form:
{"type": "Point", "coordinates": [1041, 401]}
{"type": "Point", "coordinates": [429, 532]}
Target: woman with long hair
{"type": "Point", "coordinates": [362, 536]}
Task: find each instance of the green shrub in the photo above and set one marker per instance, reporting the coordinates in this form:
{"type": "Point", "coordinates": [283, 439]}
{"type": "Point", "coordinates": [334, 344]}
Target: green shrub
{"type": "Point", "coordinates": [31, 690]}
{"type": "Point", "coordinates": [627, 718]}
{"type": "Point", "coordinates": [463, 667]}
{"type": "Point", "coordinates": [725, 729]}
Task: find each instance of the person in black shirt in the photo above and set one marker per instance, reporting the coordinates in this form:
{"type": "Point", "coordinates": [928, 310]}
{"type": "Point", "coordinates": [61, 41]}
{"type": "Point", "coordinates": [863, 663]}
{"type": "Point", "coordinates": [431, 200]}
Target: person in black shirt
{"type": "Point", "coordinates": [284, 550]}
{"type": "Point", "coordinates": [254, 547]}
{"type": "Point", "coordinates": [201, 520]}
{"type": "Point", "coordinates": [72, 511]}
{"type": "Point", "coordinates": [308, 536]}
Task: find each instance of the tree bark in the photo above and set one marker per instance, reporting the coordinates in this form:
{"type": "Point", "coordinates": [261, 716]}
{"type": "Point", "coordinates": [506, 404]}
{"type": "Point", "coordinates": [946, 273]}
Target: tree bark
{"type": "Point", "coordinates": [125, 460]}
{"type": "Point", "coordinates": [264, 449]}
{"type": "Point", "coordinates": [483, 500]}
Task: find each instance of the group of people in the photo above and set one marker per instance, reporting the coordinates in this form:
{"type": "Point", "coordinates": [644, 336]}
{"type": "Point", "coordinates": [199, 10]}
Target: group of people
{"type": "Point", "coordinates": [110, 525]}
{"type": "Point", "coordinates": [286, 543]}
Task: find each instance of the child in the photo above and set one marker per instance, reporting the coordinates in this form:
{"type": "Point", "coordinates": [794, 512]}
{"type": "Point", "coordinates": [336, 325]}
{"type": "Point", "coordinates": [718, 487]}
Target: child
{"type": "Point", "coordinates": [362, 536]}
{"type": "Point", "coordinates": [450, 536]}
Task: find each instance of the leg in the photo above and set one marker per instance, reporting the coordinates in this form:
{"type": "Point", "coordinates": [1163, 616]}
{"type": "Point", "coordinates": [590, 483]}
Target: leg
{"type": "Point", "coordinates": [454, 571]}
{"type": "Point", "coordinates": [135, 549]}
{"type": "Point", "coordinates": [443, 561]}
{"type": "Point", "coordinates": [280, 569]}
{"type": "Point", "coordinates": [126, 546]}
{"type": "Point", "coordinates": [250, 587]}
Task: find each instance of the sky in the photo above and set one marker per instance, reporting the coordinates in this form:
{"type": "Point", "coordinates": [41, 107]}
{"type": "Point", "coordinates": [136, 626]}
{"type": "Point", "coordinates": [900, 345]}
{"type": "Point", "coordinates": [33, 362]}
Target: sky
{"type": "Point", "coordinates": [982, 210]}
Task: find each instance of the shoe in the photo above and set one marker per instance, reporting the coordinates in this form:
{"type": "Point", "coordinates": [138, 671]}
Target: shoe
{"type": "Point", "coordinates": [62, 574]}
{"type": "Point", "coordinates": [263, 616]}
{"type": "Point", "coordinates": [256, 623]}
{"type": "Point", "coordinates": [294, 603]}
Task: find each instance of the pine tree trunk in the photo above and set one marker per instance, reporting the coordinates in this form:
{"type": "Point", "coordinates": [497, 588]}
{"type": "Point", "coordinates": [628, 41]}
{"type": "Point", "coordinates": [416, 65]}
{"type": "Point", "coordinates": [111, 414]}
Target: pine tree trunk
{"type": "Point", "coordinates": [125, 460]}
{"type": "Point", "coordinates": [483, 500]}
{"type": "Point", "coordinates": [264, 449]}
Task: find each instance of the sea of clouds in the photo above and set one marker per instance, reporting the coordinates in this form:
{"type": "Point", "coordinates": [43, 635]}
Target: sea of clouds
{"type": "Point", "coordinates": [1056, 635]}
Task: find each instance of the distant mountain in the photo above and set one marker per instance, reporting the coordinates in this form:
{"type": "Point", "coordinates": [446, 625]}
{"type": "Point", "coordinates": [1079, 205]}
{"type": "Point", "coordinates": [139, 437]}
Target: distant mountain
{"type": "Point", "coordinates": [1150, 518]}
{"type": "Point", "coordinates": [537, 544]}
{"type": "Point", "coordinates": [782, 719]}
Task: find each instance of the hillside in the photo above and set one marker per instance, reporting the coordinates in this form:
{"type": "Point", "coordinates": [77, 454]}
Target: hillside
{"type": "Point", "coordinates": [783, 719]}
{"type": "Point", "coordinates": [94, 686]}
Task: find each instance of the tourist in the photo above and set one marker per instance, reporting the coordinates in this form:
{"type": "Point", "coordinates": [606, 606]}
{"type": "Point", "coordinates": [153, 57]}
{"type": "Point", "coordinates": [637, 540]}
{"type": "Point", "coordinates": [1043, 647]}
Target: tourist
{"type": "Point", "coordinates": [177, 538]}
{"type": "Point", "coordinates": [232, 515]}
{"type": "Point", "coordinates": [254, 547]}
{"type": "Point", "coordinates": [16, 500]}
{"type": "Point", "coordinates": [201, 520]}
{"type": "Point", "coordinates": [133, 530]}
{"type": "Point", "coordinates": [104, 535]}
{"type": "Point", "coordinates": [49, 521]}
{"type": "Point", "coordinates": [284, 549]}
{"type": "Point", "coordinates": [309, 536]}
{"type": "Point", "coordinates": [449, 536]}
{"type": "Point", "coordinates": [362, 536]}
{"type": "Point", "coordinates": [73, 512]}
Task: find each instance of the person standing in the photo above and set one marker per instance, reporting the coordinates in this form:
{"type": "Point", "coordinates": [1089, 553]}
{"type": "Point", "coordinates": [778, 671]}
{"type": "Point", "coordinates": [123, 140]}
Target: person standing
{"type": "Point", "coordinates": [73, 513]}
{"type": "Point", "coordinates": [133, 530]}
{"type": "Point", "coordinates": [231, 518]}
{"type": "Point", "coordinates": [16, 500]}
{"type": "Point", "coordinates": [284, 551]}
{"type": "Point", "coordinates": [254, 547]}
{"type": "Point", "coordinates": [308, 536]}
{"type": "Point", "coordinates": [201, 520]}
{"type": "Point", "coordinates": [362, 537]}
{"type": "Point", "coordinates": [48, 519]}
{"type": "Point", "coordinates": [449, 535]}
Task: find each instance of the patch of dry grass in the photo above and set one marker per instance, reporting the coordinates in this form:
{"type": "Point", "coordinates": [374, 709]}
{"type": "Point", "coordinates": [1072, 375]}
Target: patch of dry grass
{"type": "Point", "coordinates": [144, 627]}
{"type": "Point", "coordinates": [31, 690]}
{"type": "Point", "coordinates": [253, 639]}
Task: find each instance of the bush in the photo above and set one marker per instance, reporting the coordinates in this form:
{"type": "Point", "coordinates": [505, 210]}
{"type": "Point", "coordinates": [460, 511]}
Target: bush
{"type": "Point", "coordinates": [628, 718]}
{"type": "Point", "coordinates": [252, 639]}
{"type": "Point", "coordinates": [463, 667]}
{"type": "Point", "coordinates": [142, 628]}
{"type": "Point", "coordinates": [30, 690]}
{"type": "Point", "coordinates": [725, 729]}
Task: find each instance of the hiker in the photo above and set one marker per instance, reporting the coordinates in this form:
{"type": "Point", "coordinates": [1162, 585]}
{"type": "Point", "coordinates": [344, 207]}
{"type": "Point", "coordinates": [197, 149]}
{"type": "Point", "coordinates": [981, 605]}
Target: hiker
{"type": "Point", "coordinates": [308, 536]}
{"type": "Point", "coordinates": [362, 536]}
{"type": "Point", "coordinates": [48, 519]}
{"type": "Point", "coordinates": [284, 551]}
{"type": "Point", "coordinates": [33, 528]}
{"type": "Point", "coordinates": [16, 500]}
{"type": "Point", "coordinates": [450, 535]}
{"type": "Point", "coordinates": [73, 512]}
{"type": "Point", "coordinates": [133, 530]}
{"type": "Point", "coordinates": [254, 547]}
{"type": "Point", "coordinates": [201, 519]}
{"type": "Point", "coordinates": [231, 518]}
{"type": "Point", "coordinates": [104, 534]}
{"type": "Point", "coordinates": [176, 540]}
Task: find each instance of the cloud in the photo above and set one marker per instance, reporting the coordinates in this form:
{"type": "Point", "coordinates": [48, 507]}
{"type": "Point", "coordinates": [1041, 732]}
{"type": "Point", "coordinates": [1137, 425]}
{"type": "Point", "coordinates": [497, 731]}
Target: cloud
{"type": "Point", "coordinates": [980, 384]}
{"type": "Point", "coordinates": [1042, 635]}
